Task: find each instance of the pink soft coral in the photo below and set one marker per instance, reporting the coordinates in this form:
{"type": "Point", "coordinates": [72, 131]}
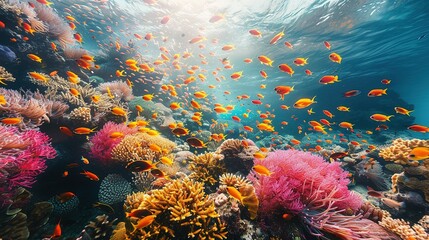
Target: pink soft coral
{"type": "Point", "coordinates": [314, 191]}
{"type": "Point", "coordinates": [102, 144]}
{"type": "Point", "coordinates": [22, 158]}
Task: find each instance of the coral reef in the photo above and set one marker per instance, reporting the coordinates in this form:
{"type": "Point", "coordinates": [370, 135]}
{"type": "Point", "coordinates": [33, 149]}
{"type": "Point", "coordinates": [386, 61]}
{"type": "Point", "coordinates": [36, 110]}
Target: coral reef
{"type": "Point", "coordinates": [182, 211]}
{"type": "Point", "coordinates": [22, 158]}
{"type": "Point", "coordinates": [402, 228]}
{"type": "Point", "coordinates": [237, 156]}
{"type": "Point", "coordinates": [400, 149]}
{"type": "Point", "coordinates": [114, 189]}
{"type": "Point", "coordinates": [64, 208]}
{"type": "Point", "coordinates": [207, 168]}
{"type": "Point", "coordinates": [164, 114]}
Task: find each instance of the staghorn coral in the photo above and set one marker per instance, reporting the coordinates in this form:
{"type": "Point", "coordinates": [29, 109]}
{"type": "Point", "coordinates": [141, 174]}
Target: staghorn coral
{"type": "Point", "coordinates": [22, 158]}
{"type": "Point", "coordinates": [182, 210]}
{"type": "Point", "coordinates": [5, 76]}
{"type": "Point", "coordinates": [206, 168]}
{"type": "Point", "coordinates": [402, 228]}
{"type": "Point", "coordinates": [136, 147]}
{"type": "Point", "coordinates": [119, 89]}
{"type": "Point", "coordinates": [81, 115]}
{"type": "Point", "coordinates": [101, 144]}
{"type": "Point", "coordinates": [400, 149]}
{"type": "Point", "coordinates": [237, 157]}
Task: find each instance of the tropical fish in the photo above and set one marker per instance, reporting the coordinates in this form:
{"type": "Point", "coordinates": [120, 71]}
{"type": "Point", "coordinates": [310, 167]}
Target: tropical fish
{"type": "Point", "coordinates": [66, 196]}
{"type": "Point", "coordinates": [233, 192]}
{"type": "Point", "coordinates": [277, 37]}
{"type": "Point", "coordinates": [144, 222]}
{"type": "Point", "coordinates": [283, 90]}
{"type": "Point", "coordinates": [335, 57]}
{"type": "Point", "coordinates": [377, 92]}
{"type": "Point", "coordinates": [419, 153]}
{"type": "Point", "coordinates": [91, 176]}
{"type": "Point", "coordinates": [195, 142]}
{"type": "Point", "coordinates": [262, 170]}
{"type": "Point", "coordinates": [286, 68]}
{"type": "Point", "coordinates": [255, 32]}
{"type": "Point", "coordinates": [304, 102]}
{"type": "Point", "coordinates": [11, 121]}
{"type": "Point", "coordinates": [265, 60]}
{"type": "Point", "coordinates": [392, 203]}
{"type": "Point", "coordinates": [329, 79]}
{"type": "Point", "coordinates": [352, 93]}
{"type": "Point", "coordinates": [380, 117]}
{"type": "Point", "coordinates": [140, 166]}
{"type": "Point", "coordinates": [300, 61]}
{"type": "Point", "coordinates": [402, 111]}
{"type": "Point", "coordinates": [343, 109]}
{"type": "Point", "coordinates": [83, 130]}
{"type": "Point", "coordinates": [419, 128]}
{"type": "Point", "coordinates": [34, 57]}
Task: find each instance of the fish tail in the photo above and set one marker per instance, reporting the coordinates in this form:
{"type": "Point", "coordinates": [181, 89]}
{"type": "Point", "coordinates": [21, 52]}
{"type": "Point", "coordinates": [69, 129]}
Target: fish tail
{"type": "Point", "coordinates": [385, 91]}
{"type": "Point", "coordinates": [388, 118]}
{"type": "Point", "coordinates": [313, 99]}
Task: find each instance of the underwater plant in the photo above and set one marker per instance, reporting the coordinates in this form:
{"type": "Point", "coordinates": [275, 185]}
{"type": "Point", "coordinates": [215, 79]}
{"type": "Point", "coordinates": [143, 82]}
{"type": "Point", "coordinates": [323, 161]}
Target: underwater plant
{"type": "Point", "coordinates": [303, 188]}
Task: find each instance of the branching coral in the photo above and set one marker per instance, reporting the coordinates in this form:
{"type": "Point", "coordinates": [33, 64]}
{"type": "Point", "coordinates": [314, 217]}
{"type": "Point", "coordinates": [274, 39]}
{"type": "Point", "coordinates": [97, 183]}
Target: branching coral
{"type": "Point", "coordinates": [182, 210]}
{"type": "Point", "coordinates": [402, 228]}
{"type": "Point", "coordinates": [5, 76]}
{"type": "Point", "coordinates": [119, 89]}
{"type": "Point", "coordinates": [206, 168]}
{"type": "Point", "coordinates": [314, 191]}
{"type": "Point", "coordinates": [22, 158]}
{"type": "Point", "coordinates": [400, 149]}
{"type": "Point", "coordinates": [101, 144]}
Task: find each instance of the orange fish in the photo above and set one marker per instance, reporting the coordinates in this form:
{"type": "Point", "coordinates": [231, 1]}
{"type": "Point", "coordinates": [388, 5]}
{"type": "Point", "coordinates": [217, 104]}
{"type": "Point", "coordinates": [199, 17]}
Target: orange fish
{"type": "Point", "coordinates": [265, 60]}
{"type": "Point", "coordinates": [2, 25]}
{"type": "Point", "coordinates": [34, 57]}
{"type": "Point", "coordinates": [64, 197]}
{"type": "Point", "coordinates": [11, 121]}
{"type": "Point", "coordinates": [83, 130]}
{"type": "Point", "coordinates": [335, 57]}
{"type": "Point", "coordinates": [262, 170]}
{"type": "Point", "coordinates": [66, 131]}
{"type": "Point", "coordinates": [90, 175]}
{"type": "Point", "coordinates": [327, 45]}
{"type": "Point", "coordinates": [329, 79]}
{"type": "Point", "coordinates": [402, 111]}
{"type": "Point", "coordinates": [263, 74]}
{"type": "Point", "coordinates": [346, 125]}
{"type": "Point", "coordinates": [300, 61]}
{"type": "Point", "coordinates": [144, 222]}
{"type": "Point", "coordinates": [380, 117]}
{"type": "Point", "coordinates": [283, 90]}
{"type": "Point", "coordinates": [377, 92]}
{"type": "Point", "coordinates": [237, 75]}
{"type": "Point", "coordinates": [419, 128]}
{"type": "Point", "coordinates": [255, 32]}
{"type": "Point", "coordinates": [286, 68]}
{"type": "Point", "coordinates": [38, 76]}
{"type": "Point", "coordinates": [304, 102]}
{"type": "Point", "coordinates": [289, 45]}
{"type": "Point", "coordinates": [57, 229]}
{"type": "Point", "coordinates": [233, 192]}
{"type": "Point", "coordinates": [78, 37]}
{"type": "Point", "coordinates": [27, 27]}
{"type": "Point", "coordinates": [277, 37]}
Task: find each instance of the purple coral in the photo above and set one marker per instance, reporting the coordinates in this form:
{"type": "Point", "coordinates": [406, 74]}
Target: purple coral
{"type": "Point", "coordinates": [102, 144]}
{"type": "Point", "coordinates": [22, 158]}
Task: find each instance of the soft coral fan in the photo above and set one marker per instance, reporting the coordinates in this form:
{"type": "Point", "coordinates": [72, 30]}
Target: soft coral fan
{"type": "Point", "coordinates": [314, 191]}
{"type": "Point", "coordinates": [22, 158]}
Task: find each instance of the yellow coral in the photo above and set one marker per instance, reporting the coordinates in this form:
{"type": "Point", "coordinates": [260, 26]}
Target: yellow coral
{"type": "Point", "coordinates": [400, 149]}
{"type": "Point", "coordinates": [82, 115]}
{"type": "Point", "coordinates": [136, 147]}
{"type": "Point", "coordinates": [233, 180]}
{"type": "Point", "coordinates": [206, 167]}
{"type": "Point", "coordinates": [403, 228]}
{"type": "Point", "coordinates": [182, 209]}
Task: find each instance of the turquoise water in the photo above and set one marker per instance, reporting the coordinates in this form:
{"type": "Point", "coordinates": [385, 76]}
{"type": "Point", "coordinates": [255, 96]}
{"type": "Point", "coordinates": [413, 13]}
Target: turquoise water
{"type": "Point", "coordinates": [378, 41]}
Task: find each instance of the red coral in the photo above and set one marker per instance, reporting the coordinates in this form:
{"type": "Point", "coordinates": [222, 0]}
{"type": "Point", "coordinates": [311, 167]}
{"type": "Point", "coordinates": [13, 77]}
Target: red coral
{"type": "Point", "coordinates": [102, 144]}
{"type": "Point", "coordinates": [22, 158]}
